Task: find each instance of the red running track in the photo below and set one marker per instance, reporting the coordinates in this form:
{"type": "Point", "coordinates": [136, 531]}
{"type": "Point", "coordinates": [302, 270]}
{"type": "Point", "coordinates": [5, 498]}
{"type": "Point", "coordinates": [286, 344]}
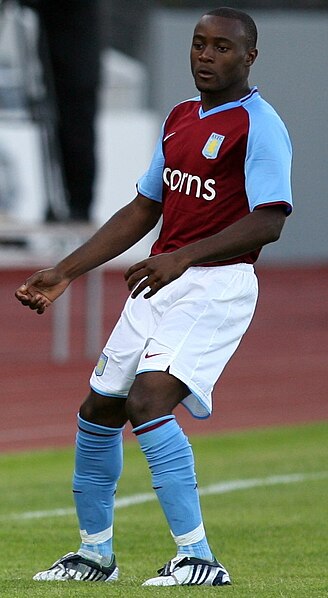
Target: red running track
{"type": "Point", "coordinates": [278, 376]}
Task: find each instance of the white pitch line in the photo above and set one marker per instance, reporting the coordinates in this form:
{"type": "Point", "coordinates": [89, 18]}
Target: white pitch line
{"type": "Point", "coordinates": [220, 488]}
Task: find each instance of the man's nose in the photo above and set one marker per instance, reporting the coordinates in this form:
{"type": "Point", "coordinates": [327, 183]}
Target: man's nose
{"type": "Point", "coordinates": [208, 54]}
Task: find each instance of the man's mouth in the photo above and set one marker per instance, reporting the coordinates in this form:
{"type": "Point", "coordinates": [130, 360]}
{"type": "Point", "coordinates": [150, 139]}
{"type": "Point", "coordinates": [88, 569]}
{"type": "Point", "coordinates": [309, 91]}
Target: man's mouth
{"type": "Point", "coordinates": [204, 73]}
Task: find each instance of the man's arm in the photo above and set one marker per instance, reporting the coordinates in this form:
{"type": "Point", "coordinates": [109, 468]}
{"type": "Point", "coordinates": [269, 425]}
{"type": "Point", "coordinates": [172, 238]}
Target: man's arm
{"type": "Point", "coordinates": [255, 230]}
{"type": "Point", "coordinates": [122, 231]}
{"type": "Point", "coordinates": [119, 233]}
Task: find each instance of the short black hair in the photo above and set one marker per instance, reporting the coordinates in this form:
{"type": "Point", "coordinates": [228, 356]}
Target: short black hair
{"type": "Point", "coordinates": [232, 13]}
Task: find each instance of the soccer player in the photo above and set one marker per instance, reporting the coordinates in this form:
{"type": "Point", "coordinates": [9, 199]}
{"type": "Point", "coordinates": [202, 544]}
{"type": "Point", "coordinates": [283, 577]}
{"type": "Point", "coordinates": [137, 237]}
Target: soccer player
{"type": "Point", "coordinates": [220, 178]}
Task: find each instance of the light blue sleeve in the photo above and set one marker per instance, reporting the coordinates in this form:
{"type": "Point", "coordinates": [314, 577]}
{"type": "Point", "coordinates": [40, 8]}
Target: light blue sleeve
{"type": "Point", "coordinates": [268, 158]}
{"type": "Point", "coordinates": [150, 183]}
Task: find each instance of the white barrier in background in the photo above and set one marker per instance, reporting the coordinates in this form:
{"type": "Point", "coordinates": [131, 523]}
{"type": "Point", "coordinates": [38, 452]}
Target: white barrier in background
{"type": "Point", "coordinates": [126, 141]}
{"type": "Point", "coordinates": [22, 190]}
{"type": "Point", "coordinates": [125, 145]}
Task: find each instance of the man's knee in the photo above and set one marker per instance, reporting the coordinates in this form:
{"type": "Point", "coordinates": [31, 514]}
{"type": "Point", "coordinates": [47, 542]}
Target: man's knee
{"type": "Point", "coordinates": [153, 395]}
{"type": "Point", "coordinates": [104, 411]}
{"type": "Point", "coordinates": [139, 407]}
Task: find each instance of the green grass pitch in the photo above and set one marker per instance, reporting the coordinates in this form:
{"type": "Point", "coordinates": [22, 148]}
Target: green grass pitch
{"type": "Point", "coordinates": [267, 524]}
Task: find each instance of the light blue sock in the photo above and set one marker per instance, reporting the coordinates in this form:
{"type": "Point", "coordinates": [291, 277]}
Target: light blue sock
{"type": "Point", "coordinates": [98, 466]}
{"type": "Point", "coordinates": [171, 462]}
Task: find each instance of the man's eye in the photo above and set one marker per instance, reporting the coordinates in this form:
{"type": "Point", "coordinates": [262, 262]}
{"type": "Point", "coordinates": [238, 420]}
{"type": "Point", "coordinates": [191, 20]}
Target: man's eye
{"type": "Point", "coordinates": [222, 49]}
{"type": "Point", "coordinates": [198, 45]}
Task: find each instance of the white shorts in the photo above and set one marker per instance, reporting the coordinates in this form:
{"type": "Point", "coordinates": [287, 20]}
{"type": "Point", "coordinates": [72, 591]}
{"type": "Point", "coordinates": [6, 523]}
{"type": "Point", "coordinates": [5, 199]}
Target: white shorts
{"type": "Point", "coordinates": [191, 328]}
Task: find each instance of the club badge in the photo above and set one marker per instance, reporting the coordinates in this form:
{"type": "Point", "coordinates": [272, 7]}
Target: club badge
{"type": "Point", "coordinates": [102, 361]}
{"type": "Point", "coordinates": [212, 146]}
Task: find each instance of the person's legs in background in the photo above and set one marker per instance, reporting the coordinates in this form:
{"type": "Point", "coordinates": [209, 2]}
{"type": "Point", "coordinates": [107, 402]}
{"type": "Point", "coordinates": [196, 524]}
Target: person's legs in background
{"type": "Point", "coordinates": [70, 46]}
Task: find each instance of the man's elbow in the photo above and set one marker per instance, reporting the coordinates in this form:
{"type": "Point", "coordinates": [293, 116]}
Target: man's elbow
{"type": "Point", "coordinates": [275, 219]}
{"type": "Point", "coordinates": [274, 234]}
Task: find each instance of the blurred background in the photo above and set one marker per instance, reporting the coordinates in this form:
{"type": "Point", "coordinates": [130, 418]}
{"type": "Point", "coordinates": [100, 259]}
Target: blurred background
{"type": "Point", "coordinates": [119, 66]}
{"type": "Point", "coordinates": [84, 88]}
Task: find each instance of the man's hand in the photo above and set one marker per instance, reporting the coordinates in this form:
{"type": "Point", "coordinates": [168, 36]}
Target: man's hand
{"type": "Point", "coordinates": [154, 272]}
{"type": "Point", "coordinates": [41, 289]}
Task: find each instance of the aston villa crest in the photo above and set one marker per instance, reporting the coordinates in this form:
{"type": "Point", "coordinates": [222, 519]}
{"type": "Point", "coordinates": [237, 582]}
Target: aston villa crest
{"type": "Point", "coordinates": [212, 146]}
{"type": "Point", "coordinates": [100, 367]}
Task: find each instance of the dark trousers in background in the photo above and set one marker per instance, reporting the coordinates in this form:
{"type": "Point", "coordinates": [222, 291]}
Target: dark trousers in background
{"type": "Point", "coordinates": [69, 47]}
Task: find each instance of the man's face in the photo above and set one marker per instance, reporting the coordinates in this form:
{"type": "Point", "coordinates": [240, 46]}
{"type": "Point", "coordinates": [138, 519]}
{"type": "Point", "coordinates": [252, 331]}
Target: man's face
{"type": "Point", "coordinates": [220, 58]}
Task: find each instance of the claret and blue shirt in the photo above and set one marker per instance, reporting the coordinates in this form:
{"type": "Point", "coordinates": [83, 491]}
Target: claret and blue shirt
{"type": "Point", "coordinates": [209, 169]}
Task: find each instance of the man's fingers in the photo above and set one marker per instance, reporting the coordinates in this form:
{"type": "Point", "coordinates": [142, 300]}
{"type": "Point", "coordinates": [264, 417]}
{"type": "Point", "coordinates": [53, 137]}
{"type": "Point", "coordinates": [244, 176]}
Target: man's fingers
{"type": "Point", "coordinates": [155, 273]}
{"type": "Point", "coordinates": [19, 295]}
{"type": "Point", "coordinates": [148, 283]}
{"type": "Point", "coordinates": [133, 270]}
{"type": "Point", "coordinates": [36, 302]}
{"type": "Point", "coordinates": [21, 292]}
{"type": "Point", "coordinates": [135, 277]}
{"type": "Point", "coordinates": [141, 287]}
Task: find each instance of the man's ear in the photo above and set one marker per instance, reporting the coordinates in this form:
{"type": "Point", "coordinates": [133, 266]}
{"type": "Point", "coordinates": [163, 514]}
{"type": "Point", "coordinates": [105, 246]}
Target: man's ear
{"type": "Point", "coordinates": [251, 56]}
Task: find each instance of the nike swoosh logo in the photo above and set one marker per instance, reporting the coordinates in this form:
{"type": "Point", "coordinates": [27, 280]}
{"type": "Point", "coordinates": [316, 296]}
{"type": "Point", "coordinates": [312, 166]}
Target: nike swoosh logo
{"type": "Point", "coordinates": [148, 355]}
{"type": "Point", "coordinates": [168, 136]}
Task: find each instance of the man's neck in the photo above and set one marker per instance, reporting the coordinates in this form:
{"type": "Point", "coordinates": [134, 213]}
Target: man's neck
{"type": "Point", "coordinates": [212, 100]}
